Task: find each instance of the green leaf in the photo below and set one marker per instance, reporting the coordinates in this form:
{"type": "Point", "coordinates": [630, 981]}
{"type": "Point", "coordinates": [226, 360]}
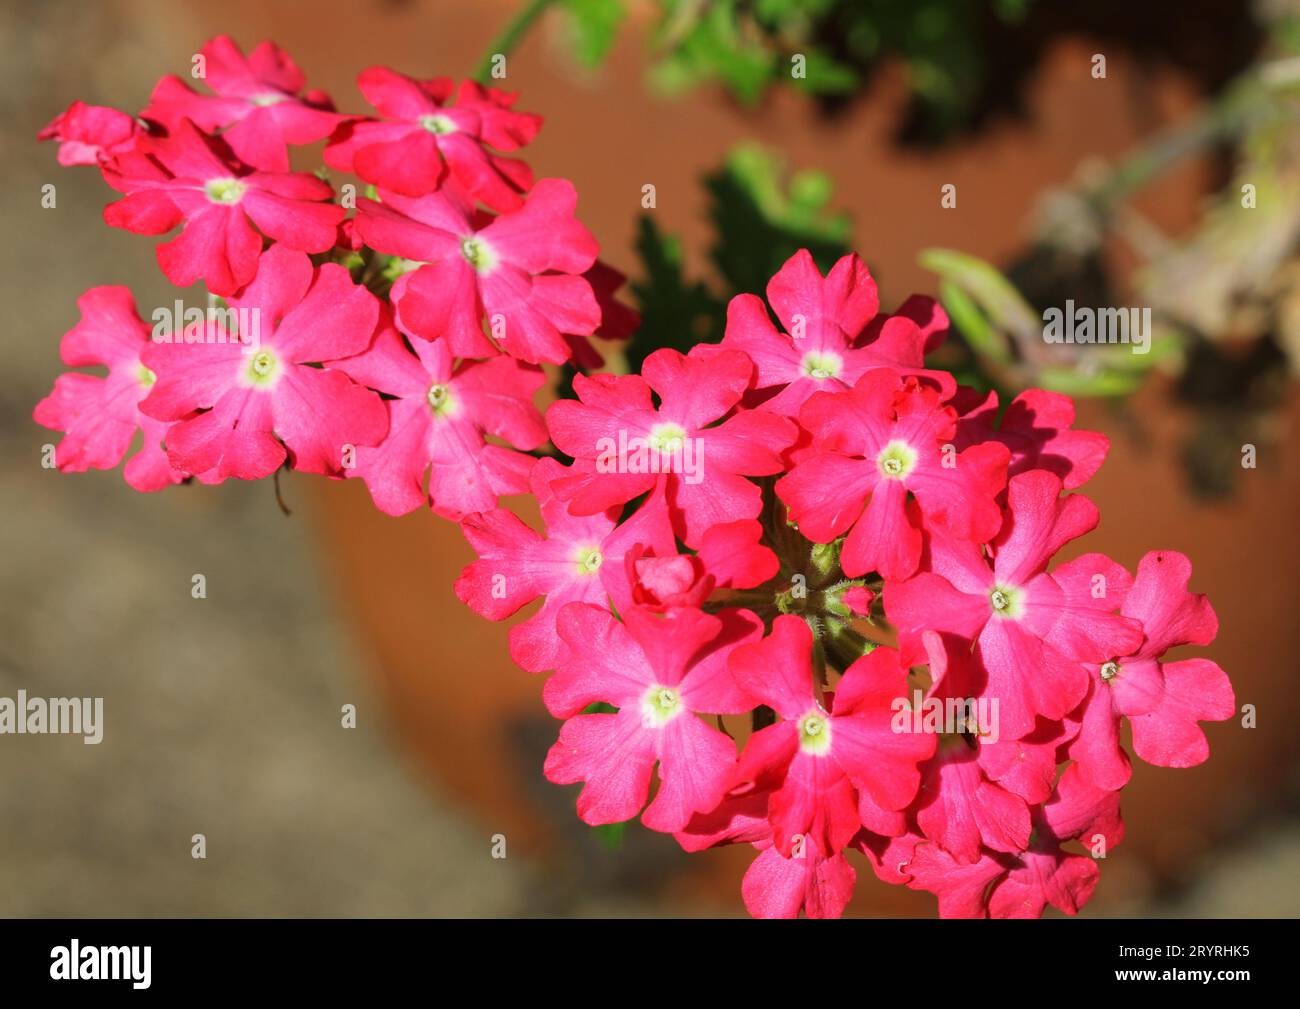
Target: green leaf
{"type": "Point", "coordinates": [594, 26]}
{"type": "Point", "coordinates": [674, 312]}
{"type": "Point", "coordinates": [992, 292]}
{"type": "Point", "coordinates": [1103, 383]}
{"type": "Point", "coordinates": [980, 334]}
{"type": "Point", "coordinates": [761, 221]}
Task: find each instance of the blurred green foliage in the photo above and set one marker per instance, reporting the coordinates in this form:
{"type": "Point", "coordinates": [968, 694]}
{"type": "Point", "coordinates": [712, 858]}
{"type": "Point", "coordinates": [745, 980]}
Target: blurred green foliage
{"type": "Point", "coordinates": [761, 216]}
{"type": "Point", "coordinates": [826, 48]}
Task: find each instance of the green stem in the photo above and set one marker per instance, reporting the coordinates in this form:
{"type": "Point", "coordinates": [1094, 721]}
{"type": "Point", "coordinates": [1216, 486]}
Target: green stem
{"type": "Point", "coordinates": [510, 38]}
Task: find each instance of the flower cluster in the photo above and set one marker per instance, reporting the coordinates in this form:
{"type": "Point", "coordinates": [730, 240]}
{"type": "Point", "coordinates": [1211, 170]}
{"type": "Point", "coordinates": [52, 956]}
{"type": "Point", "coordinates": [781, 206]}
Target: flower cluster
{"type": "Point", "coordinates": [796, 590]}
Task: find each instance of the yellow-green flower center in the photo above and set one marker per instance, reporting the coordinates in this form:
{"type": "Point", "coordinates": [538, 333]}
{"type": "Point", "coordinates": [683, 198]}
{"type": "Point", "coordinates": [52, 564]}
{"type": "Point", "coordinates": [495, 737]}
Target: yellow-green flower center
{"type": "Point", "coordinates": [589, 560]}
{"type": "Point", "coordinates": [660, 705]}
{"type": "Point", "coordinates": [1110, 670]}
{"type": "Point", "coordinates": [438, 125]}
{"type": "Point", "coordinates": [896, 460]}
{"type": "Point", "coordinates": [226, 191]}
{"type": "Point", "coordinates": [815, 733]}
{"type": "Point", "coordinates": [1007, 602]}
{"type": "Point", "coordinates": [146, 377]}
{"type": "Point", "coordinates": [820, 364]}
{"type": "Point", "coordinates": [263, 368]}
{"type": "Point", "coordinates": [478, 253]}
{"type": "Point", "coordinates": [439, 399]}
{"type": "Point", "coordinates": [667, 438]}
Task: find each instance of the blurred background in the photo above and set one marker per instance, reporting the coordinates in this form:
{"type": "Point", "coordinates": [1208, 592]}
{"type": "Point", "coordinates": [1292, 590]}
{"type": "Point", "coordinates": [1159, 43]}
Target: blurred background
{"type": "Point", "coordinates": [223, 714]}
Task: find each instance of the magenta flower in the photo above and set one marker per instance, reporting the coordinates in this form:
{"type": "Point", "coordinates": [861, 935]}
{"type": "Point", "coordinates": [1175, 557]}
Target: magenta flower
{"type": "Point", "coordinates": [423, 138]}
{"type": "Point", "coordinates": [1037, 430]}
{"type": "Point", "coordinates": [877, 449]}
{"type": "Point", "coordinates": [774, 886]}
{"type": "Point", "coordinates": [100, 416]}
{"type": "Point", "coordinates": [522, 271]}
{"type": "Point", "coordinates": [243, 408]}
{"type": "Point", "coordinates": [91, 134]}
{"type": "Point", "coordinates": [1021, 886]}
{"type": "Point", "coordinates": [439, 417]}
{"type": "Point", "coordinates": [1033, 629]}
{"type": "Point", "coordinates": [820, 762]}
{"type": "Point", "coordinates": [961, 810]}
{"type": "Point", "coordinates": [623, 445]}
{"type": "Point", "coordinates": [824, 346]}
{"type": "Point", "coordinates": [1163, 701]}
{"type": "Point", "coordinates": [660, 672]}
{"type": "Point", "coordinates": [257, 105]}
{"type": "Point", "coordinates": [191, 179]}
{"type": "Point", "coordinates": [579, 559]}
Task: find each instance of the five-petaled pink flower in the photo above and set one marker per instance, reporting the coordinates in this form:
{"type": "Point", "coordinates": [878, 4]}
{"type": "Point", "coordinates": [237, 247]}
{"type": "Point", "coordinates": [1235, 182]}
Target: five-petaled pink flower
{"type": "Point", "coordinates": [579, 559]}
{"type": "Point", "coordinates": [257, 105]}
{"type": "Point", "coordinates": [423, 138]}
{"type": "Point", "coordinates": [521, 271]}
{"type": "Point", "coordinates": [242, 405]}
{"type": "Point", "coordinates": [439, 417]}
{"type": "Point", "coordinates": [831, 771]}
{"type": "Point", "coordinates": [1163, 701]}
{"type": "Point", "coordinates": [1033, 629]}
{"type": "Point", "coordinates": [878, 448]}
{"type": "Point", "coordinates": [826, 345]}
{"type": "Point", "coordinates": [191, 179]}
{"type": "Point", "coordinates": [661, 672]}
{"type": "Point", "coordinates": [623, 445]}
{"type": "Point", "coordinates": [100, 416]}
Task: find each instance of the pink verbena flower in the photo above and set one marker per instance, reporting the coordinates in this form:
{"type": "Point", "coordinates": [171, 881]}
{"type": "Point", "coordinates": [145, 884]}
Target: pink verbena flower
{"type": "Point", "coordinates": [578, 559]}
{"type": "Point", "coordinates": [665, 583]}
{"type": "Point", "coordinates": [1021, 886]}
{"type": "Point", "coordinates": [100, 416]}
{"type": "Point", "coordinates": [661, 672]}
{"type": "Point", "coordinates": [424, 137]}
{"type": "Point", "coordinates": [438, 418]}
{"type": "Point", "coordinates": [825, 345]}
{"type": "Point", "coordinates": [623, 445]}
{"type": "Point", "coordinates": [1033, 629]}
{"type": "Point", "coordinates": [830, 771]}
{"type": "Point", "coordinates": [1037, 430]}
{"type": "Point", "coordinates": [1026, 767]}
{"type": "Point", "coordinates": [191, 179]}
{"type": "Point", "coordinates": [522, 270]}
{"type": "Point", "coordinates": [91, 134]}
{"type": "Point", "coordinates": [242, 409]}
{"type": "Point", "coordinates": [1163, 701]}
{"type": "Point", "coordinates": [876, 448]}
{"type": "Point", "coordinates": [774, 886]}
{"type": "Point", "coordinates": [257, 106]}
